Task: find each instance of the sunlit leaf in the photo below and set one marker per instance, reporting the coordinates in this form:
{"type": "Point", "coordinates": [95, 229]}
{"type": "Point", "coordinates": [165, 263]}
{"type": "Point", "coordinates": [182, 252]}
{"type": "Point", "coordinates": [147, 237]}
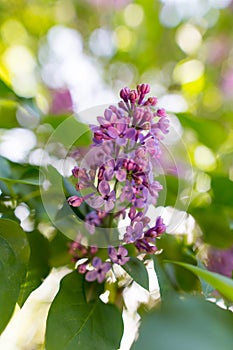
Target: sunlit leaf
{"type": "Point", "coordinates": [223, 284]}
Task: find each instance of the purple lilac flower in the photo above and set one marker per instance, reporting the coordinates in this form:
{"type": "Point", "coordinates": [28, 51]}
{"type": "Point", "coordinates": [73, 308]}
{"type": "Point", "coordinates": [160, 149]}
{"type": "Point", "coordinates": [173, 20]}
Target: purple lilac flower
{"type": "Point", "coordinates": [112, 168]}
{"type": "Point", "coordinates": [75, 201]}
{"type": "Point", "coordinates": [155, 231]}
{"type": "Point", "coordinates": [133, 232]}
{"type": "Point", "coordinates": [92, 220]}
{"type": "Point", "coordinates": [118, 174]}
{"type": "Point", "coordinates": [106, 198]}
{"type": "Point", "coordinates": [220, 261]}
{"type": "Point", "coordinates": [99, 271]}
{"type": "Point", "coordinates": [118, 256]}
{"type": "Point", "coordinates": [61, 102]}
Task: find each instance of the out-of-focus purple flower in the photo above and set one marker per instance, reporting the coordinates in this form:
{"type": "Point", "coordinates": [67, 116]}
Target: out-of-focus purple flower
{"type": "Point", "coordinates": [99, 271]}
{"type": "Point", "coordinates": [61, 102]}
{"type": "Point", "coordinates": [218, 49]}
{"type": "Point", "coordinates": [227, 83]}
{"type": "Point", "coordinates": [220, 261]}
{"type": "Point", "coordinates": [118, 256]}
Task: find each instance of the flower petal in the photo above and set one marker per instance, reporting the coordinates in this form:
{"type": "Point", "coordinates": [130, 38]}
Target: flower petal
{"type": "Point", "coordinates": [104, 188]}
{"type": "Point", "coordinates": [112, 132]}
{"type": "Point", "coordinates": [121, 175]}
{"type": "Point", "coordinates": [91, 276]}
{"type": "Point", "coordinates": [122, 251]}
{"type": "Point", "coordinates": [97, 202]}
{"type": "Point", "coordinates": [96, 262]}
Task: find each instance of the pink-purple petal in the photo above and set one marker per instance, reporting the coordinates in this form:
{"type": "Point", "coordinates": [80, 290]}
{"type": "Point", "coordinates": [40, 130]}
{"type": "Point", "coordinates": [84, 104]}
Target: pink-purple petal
{"type": "Point", "coordinates": [96, 262]}
{"type": "Point", "coordinates": [121, 175]}
{"type": "Point", "coordinates": [112, 132]}
{"type": "Point", "coordinates": [104, 187]}
{"type": "Point", "coordinates": [91, 276]}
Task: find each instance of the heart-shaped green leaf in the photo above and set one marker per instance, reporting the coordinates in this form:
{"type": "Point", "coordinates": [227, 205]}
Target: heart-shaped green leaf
{"type": "Point", "coordinates": [74, 323]}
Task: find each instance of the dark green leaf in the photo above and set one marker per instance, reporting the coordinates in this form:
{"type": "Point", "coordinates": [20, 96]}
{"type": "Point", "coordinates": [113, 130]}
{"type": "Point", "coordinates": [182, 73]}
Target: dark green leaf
{"type": "Point", "coordinates": [74, 323]}
{"type": "Point", "coordinates": [14, 255]}
{"type": "Point", "coordinates": [190, 324]}
{"type": "Point", "coordinates": [59, 255]}
{"type": "Point", "coordinates": [38, 266]}
{"type": "Point", "coordinates": [165, 286]}
{"type": "Point", "coordinates": [137, 270]}
{"type": "Point", "coordinates": [222, 190]}
{"type": "Point", "coordinates": [176, 248]}
{"type": "Point", "coordinates": [215, 225]}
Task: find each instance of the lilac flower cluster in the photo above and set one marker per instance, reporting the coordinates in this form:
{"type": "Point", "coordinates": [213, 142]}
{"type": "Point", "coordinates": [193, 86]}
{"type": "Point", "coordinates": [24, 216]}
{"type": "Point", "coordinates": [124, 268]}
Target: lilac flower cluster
{"type": "Point", "coordinates": [117, 179]}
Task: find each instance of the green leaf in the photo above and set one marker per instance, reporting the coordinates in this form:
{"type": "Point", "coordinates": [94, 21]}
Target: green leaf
{"type": "Point", "coordinates": [176, 248]}
{"type": "Point", "coordinates": [216, 134]}
{"type": "Point", "coordinates": [14, 173]}
{"type": "Point", "coordinates": [14, 255]}
{"type": "Point", "coordinates": [74, 323]}
{"type": "Point", "coordinates": [34, 182]}
{"type": "Point", "coordinates": [222, 190]}
{"type": "Point", "coordinates": [165, 286]}
{"type": "Point", "coordinates": [223, 284]}
{"type": "Point", "coordinates": [191, 323]}
{"type": "Point", "coordinates": [59, 255]}
{"type": "Point", "coordinates": [6, 91]}
{"type": "Point", "coordinates": [38, 266]}
{"type": "Point", "coordinates": [215, 225]}
{"type": "Point", "coordinates": [8, 114]}
{"type": "Point", "coordinates": [85, 133]}
{"type": "Point", "coordinates": [137, 270]}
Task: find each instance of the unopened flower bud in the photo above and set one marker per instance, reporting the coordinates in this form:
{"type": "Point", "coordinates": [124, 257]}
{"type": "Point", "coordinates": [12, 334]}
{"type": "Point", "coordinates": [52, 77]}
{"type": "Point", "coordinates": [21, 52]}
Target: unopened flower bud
{"type": "Point", "coordinates": [75, 201]}
{"type": "Point", "coordinates": [82, 268]}
{"type": "Point", "coordinates": [125, 93]}
{"type": "Point", "coordinates": [133, 96]}
{"type": "Point", "coordinates": [161, 112]}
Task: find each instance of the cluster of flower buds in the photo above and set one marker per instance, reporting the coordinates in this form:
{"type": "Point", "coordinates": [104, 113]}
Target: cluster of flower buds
{"type": "Point", "coordinates": [119, 180]}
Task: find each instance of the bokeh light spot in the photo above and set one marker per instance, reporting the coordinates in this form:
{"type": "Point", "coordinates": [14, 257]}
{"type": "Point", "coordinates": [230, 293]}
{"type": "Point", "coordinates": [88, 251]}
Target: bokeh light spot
{"type": "Point", "coordinates": [133, 15]}
{"type": "Point", "coordinates": [188, 38]}
{"type": "Point", "coordinates": [13, 32]}
{"type": "Point", "coordinates": [188, 71]}
{"type": "Point", "coordinates": [204, 158]}
{"type": "Point", "coordinates": [124, 38]}
{"type": "Point", "coordinates": [102, 42]}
